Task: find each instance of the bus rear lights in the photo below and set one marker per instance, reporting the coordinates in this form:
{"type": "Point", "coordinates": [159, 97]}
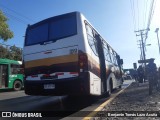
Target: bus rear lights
{"type": "Point", "coordinates": [46, 75]}
{"type": "Point", "coordinates": [83, 62]}
{"type": "Point", "coordinates": [33, 76]}
{"type": "Point", "coordinates": [59, 74]}
{"type": "Point", "coordinates": [83, 57]}
{"type": "Point", "coordinates": [73, 73]}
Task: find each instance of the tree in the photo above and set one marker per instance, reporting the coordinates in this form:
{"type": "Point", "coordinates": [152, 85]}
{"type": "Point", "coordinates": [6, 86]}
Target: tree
{"type": "Point", "coordinates": [5, 32]}
{"type": "Point", "coordinates": [16, 53]}
{"type": "Point", "coordinates": [3, 52]}
{"type": "Point", "coordinates": [12, 52]}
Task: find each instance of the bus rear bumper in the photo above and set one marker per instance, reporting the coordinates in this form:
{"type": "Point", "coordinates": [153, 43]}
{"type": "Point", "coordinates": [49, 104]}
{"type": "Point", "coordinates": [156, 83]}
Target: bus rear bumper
{"type": "Point", "coordinates": [71, 86]}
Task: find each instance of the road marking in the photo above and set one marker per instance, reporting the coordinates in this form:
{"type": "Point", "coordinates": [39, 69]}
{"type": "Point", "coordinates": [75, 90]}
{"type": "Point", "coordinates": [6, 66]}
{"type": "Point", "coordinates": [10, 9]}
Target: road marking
{"type": "Point", "coordinates": [93, 114]}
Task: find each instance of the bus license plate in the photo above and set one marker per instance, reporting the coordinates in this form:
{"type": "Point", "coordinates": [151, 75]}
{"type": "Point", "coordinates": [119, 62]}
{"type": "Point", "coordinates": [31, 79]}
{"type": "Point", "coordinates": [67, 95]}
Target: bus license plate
{"type": "Point", "coordinates": [49, 86]}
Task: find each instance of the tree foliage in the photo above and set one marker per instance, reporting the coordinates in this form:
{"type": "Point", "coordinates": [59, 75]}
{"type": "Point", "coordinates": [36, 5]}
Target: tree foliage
{"type": "Point", "coordinates": [12, 52]}
{"type": "Point", "coordinates": [5, 32]}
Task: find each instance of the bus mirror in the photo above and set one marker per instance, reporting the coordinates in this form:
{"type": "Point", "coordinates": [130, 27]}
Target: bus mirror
{"type": "Point", "coordinates": [121, 61]}
{"type": "Point", "coordinates": [118, 59]}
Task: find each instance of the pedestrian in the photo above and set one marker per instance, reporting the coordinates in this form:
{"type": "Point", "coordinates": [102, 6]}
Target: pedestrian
{"type": "Point", "coordinates": [152, 70]}
{"type": "Point", "coordinates": [151, 67]}
{"type": "Point", "coordinates": [140, 74]}
{"type": "Point", "coordinates": [135, 75]}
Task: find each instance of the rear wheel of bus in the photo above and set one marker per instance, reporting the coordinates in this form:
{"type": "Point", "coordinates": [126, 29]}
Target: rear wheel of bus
{"type": "Point", "coordinates": [17, 85]}
{"type": "Point", "coordinates": [110, 88]}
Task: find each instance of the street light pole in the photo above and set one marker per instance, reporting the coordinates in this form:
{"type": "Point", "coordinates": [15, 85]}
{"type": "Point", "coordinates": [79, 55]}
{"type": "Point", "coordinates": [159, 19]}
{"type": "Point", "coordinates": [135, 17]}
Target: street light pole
{"type": "Point", "coordinates": [157, 29]}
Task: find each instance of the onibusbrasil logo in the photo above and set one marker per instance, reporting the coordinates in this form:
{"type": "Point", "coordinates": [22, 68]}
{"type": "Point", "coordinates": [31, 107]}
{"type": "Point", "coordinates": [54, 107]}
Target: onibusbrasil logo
{"type": "Point", "coordinates": [20, 114]}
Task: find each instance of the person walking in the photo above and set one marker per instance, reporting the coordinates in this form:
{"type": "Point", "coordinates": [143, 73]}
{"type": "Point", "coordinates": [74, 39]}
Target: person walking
{"type": "Point", "coordinates": [152, 69]}
{"type": "Point", "coordinates": [140, 74]}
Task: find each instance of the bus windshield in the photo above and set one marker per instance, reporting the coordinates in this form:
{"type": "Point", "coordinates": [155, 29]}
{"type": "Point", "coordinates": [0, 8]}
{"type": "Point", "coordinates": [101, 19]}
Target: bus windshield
{"type": "Point", "coordinates": [51, 30]}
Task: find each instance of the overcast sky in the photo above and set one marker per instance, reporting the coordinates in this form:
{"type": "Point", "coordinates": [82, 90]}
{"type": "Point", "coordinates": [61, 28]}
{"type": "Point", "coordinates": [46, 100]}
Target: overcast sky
{"type": "Point", "coordinates": [116, 21]}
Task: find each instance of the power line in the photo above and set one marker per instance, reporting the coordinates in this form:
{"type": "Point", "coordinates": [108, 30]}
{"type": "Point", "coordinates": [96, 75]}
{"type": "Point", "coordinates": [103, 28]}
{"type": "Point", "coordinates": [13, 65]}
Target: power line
{"type": "Point", "coordinates": [151, 12]}
{"type": "Point", "coordinates": [133, 13]}
{"type": "Point", "coordinates": [145, 12]}
{"type": "Point", "coordinates": [15, 18]}
{"type": "Point", "coordinates": [23, 16]}
{"type": "Point", "coordinates": [138, 13]}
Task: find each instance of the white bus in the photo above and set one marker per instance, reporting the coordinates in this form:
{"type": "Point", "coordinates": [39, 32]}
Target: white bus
{"type": "Point", "coordinates": [66, 55]}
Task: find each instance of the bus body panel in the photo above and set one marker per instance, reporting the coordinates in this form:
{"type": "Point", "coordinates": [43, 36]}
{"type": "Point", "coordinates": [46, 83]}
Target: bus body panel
{"type": "Point", "coordinates": [95, 84]}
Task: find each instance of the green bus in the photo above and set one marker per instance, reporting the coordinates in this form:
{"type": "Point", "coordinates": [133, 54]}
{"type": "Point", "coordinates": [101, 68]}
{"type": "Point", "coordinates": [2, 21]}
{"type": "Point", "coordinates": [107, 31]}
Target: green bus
{"type": "Point", "coordinates": [11, 74]}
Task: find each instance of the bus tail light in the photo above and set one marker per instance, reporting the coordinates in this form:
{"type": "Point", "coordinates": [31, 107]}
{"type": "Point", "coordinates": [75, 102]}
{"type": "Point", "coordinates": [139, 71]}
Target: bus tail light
{"type": "Point", "coordinates": [33, 76]}
{"type": "Point", "coordinates": [59, 74]}
{"type": "Point", "coordinates": [46, 75]}
{"type": "Point", "coordinates": [83, 62]}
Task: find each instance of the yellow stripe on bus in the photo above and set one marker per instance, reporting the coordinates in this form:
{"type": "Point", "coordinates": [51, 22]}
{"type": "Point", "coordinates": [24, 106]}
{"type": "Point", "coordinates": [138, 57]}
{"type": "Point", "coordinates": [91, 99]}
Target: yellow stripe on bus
{"type": "Point", "coordinates": [51, 61]}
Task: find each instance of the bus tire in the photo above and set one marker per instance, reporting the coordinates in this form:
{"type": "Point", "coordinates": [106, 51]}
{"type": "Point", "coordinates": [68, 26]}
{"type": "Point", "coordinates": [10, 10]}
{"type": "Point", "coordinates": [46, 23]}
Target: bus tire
{"type": "Point", "coordinates": [110, 88]}
{"type": "Point", "coordinates": [17, 85]}
{"type": "Point", "coordinates": [120, 86]}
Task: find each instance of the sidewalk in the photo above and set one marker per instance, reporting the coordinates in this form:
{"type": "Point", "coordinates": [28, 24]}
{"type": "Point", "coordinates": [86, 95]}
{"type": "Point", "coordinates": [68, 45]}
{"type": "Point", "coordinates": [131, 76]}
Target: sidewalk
{"type": "Point", "coordinates": [135, 99]}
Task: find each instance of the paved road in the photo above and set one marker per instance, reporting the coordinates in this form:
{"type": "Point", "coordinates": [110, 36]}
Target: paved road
{"type": "Point", "coordinates": [18, 101]}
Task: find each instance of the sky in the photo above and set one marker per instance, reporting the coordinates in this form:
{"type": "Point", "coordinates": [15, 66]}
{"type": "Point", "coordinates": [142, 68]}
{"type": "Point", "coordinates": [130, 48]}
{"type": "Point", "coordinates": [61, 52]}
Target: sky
{"type": "Point", "coordinates": [115, 20]}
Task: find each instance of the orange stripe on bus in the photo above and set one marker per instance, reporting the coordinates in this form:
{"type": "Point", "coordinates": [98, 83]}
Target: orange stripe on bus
{"type": "Point", "coordinates": [51, 61]}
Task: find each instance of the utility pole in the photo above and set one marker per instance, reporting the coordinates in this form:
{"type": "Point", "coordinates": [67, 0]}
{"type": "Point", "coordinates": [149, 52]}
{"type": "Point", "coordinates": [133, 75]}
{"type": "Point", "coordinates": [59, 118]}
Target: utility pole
{"type": "Point", "coordinates": [144, 55]}
{"type": "Point", "coordinates": [157, 29]}
{"type": "Point", "coordinates": [143, 48]}
{"type": "Point", "coordinates": [140, 46]}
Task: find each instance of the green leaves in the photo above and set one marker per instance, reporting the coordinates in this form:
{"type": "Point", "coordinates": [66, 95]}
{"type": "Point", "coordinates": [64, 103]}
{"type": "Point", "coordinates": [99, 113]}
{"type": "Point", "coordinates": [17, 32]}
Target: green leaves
{"type": "Point", "coordinates": [5, 32]}
{"type": "Point", "coordinates": [13, 52]}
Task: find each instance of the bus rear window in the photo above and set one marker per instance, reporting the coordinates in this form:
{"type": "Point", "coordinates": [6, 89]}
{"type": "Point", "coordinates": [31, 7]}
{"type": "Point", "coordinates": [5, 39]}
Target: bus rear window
{"type": "Point", "coordinates": [52, 30]}
{"type": "Point", "coordinates": [37, 35]}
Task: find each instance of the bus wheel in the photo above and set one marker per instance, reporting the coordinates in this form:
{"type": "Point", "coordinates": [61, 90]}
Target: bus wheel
{"type": "Point", "coordinates": [17, 85]}
{"type": "Point", "coordinates": [110, 89]}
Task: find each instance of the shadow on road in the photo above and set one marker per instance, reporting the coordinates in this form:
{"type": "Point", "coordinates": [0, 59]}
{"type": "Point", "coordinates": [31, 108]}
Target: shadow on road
{"type": "Point", "coordinates": [60, 106]}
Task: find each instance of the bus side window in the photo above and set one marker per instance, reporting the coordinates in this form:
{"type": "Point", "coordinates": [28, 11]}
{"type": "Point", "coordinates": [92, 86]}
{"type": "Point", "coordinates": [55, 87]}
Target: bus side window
{"type": "Point", "coordinates": [106, 52]}
{"type": "Point", "coordinates": [91, 39]}
{"type": "Point", "coordinates": [114, 58]}
{"type": "Point", "coordinates": [16, 69]}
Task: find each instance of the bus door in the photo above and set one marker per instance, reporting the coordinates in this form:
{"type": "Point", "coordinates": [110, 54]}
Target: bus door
{"type": "Point", "coordinates": [102, 62]}
{"type": "Point", "coordinates": [3, 75]}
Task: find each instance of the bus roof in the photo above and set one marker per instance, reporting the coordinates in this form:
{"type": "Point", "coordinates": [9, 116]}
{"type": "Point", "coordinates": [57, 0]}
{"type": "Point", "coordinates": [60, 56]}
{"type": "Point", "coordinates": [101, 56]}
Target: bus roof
{"type": "Point", "coordinates": [51, 18]}
{"type": "Point", "coordinates": [8, 61]}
